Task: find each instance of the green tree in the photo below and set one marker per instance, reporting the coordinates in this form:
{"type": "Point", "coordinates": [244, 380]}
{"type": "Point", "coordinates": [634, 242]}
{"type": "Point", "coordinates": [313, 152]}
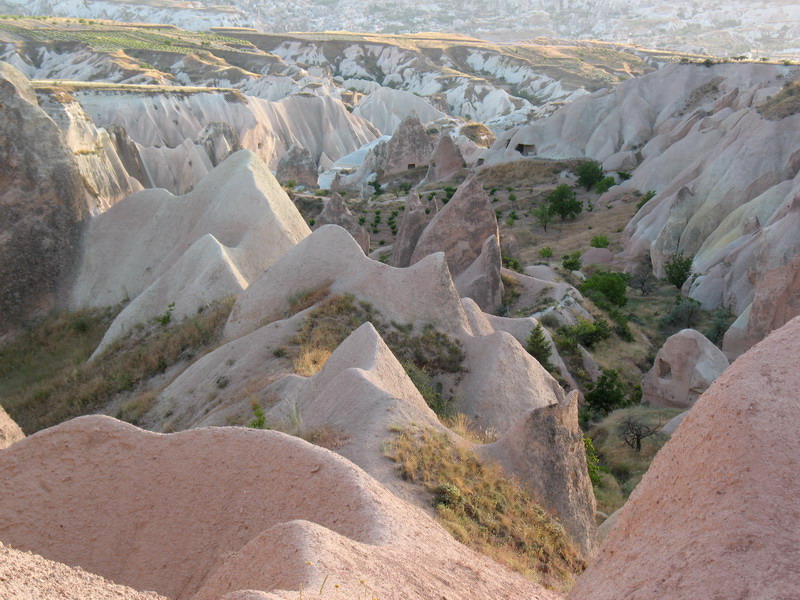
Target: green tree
{"type": "Point", "coordinates": [599, 241]}
{"type": "Point", "coordinates": [607, 394]}
{"type": "Point", "coordinates": [543, 215]}
{"type": "Point", "coordinates": [562, 201]}
{"type": "Point", "coordinates": [678, 269]}
{"type": "Point", "coordinates": [612, 285]}
{"type": "Point", "coordinates": [539, 347]}
{"type": "Point", "coordinates": [572, 262]}
{"type": "Point", "coordinates": [589, 173]}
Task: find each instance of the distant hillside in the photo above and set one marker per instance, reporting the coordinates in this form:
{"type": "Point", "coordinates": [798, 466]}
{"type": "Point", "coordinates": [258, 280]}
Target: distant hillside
{"type": "Point", "coordinates": [737, 27]}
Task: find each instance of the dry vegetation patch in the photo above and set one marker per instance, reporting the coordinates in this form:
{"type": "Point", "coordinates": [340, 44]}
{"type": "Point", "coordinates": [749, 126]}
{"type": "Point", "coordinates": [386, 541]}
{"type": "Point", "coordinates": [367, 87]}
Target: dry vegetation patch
{"type": "Point", "coordinates": [46, 379]}
{"type": "Point", "coordinates": [485, 510]}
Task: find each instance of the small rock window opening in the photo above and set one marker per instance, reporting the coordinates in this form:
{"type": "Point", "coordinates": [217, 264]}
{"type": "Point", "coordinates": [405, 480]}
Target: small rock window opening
{"type": "Point", "coordinates": [480, 162]}
{"type": "Point", "coordinates": [525, 149]}
{"type": "Point", "coordinates": [412, 166]}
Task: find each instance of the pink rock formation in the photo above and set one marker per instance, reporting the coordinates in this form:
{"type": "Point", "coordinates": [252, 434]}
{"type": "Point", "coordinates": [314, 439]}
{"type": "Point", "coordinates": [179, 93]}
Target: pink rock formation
{"type": "Point", "coordinates": [685, 366]}
{"type": "Point", "coordinates": [335, 212]}
{"type": "Point", "coordinates": [408, 149]}
{"type": "Point", "coordinates": [297, 165]}
{"type": "Point", "coordinates": [10, 432]}
{"type": "Point", "coordinates": [716, 516]}
{"type": "Point", "coordinates": [208, 512]}
{"type": "Point", "coordinates": [559, 479]}
{"type": "Point", "coordinates": [411, 227]}
{"type": "Point", "coordinates": [24, 575]}
{"type": "Point", "coordinates": [460, 228]}
{"type": "Point", "coordinates": [446, 160]}
{"type": "Point", "coordinates": [775, 302]}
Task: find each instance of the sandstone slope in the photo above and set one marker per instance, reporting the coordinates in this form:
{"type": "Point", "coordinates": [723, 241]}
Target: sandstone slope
{"type": "Point", "coordinates": [715, 516]}
{"type": "Point", "coordinates": [158, 249]}
{"type": "Point", "coordinates": [207, 512]}
{"type": "Point", "coordinates": [27, 576]}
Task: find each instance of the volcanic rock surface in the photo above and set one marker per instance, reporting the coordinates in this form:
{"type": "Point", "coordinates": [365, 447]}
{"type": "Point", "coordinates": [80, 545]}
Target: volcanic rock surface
{"type": "Point", "coordinates": [694, 521]}
{"type": "Point", "coordinates": [43, 202]}
{"type": "Point", "coordinates": [207, 512]}
{"type": "Point", "coordinates": [157, 249]}
{"type": "Point", "coordinates": [685, 366]}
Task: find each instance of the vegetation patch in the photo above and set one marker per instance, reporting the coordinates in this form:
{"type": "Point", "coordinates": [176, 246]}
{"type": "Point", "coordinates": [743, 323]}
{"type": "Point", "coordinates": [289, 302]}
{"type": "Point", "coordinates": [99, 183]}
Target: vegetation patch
{"type": "Point", "coordinates": [485, 510]}
{"type": "Point", "coordinates": [424, 352]}
{"type": "Point", "coordinates": [46, 379]}
{"type": "Point", "coordinates": [621, 465]}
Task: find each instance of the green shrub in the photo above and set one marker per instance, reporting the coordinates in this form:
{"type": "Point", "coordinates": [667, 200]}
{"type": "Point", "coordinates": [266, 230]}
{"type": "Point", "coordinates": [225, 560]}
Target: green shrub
{"type": "Point", "coordinates": [686, 313]}
{"type": "Point", "coordinates": [599, 241]}
{"type": "Point", "coordinates": [592, 461]}
{"type": "Point", "coordinates": [678, 269]}
{"type": "Point", "coordinates": [584, 332]}
{"type": "Point", "coordinates": [512, 263]}
{"type": "Point", "coordinates": [259, 420]}
{"type": "Point", "coordinates": [645, 199]}
{"type": "Point", "coordinates": [605, 184]}
{"type": "Point", "coordinates": [572, 262]}
{"type": "Point", "coordinates": [611, 285]}
{"type": "Point", "coordinates": [546, 252]}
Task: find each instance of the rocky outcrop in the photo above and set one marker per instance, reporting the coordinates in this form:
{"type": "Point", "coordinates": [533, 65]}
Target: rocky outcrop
{"type": "Point", "coordinates": [335, 212]}
{"type": "Point", "coordinates": [408, 149]}
{"type": "Point", "coordinates": [481, 280]}
{"type": "Point", "coordinates": [43, 203]}
{"type": "Point", "coordinates": [460, 229]}
{"type": "Point", "coordinates": [502, 382]}
{"type": "Point", "coordinates": [196, 248]}
{"type": "Point", "coordinates": [10, 432]}
{"type": "Point", "coordinates": [685, 366]}
{"type": "Point", "coordinates": [446, 160]}
{"type": "Point", "coordinates": [27, 575]}
{"type": "Point", "coordinates": [687, 133]}
{"type": "Point", "coordinates": [330, 257]}
{"type": "Point", "coordinates": [559, 479]}
{"type": "Point", "coordinates": [98, 152]}
{"type": "Point", "coordinates": [692, 521]}
{"type": "Point", "coordinates": [143, 509]}
{"type": "Point", "coordinates": [219, 141]}
{"type": "Point", "coordinates": [411, 227]}
{"type": "Point", "coordinates": [776, 301]}
{"type": "Point", "coordinates": [296, 165]}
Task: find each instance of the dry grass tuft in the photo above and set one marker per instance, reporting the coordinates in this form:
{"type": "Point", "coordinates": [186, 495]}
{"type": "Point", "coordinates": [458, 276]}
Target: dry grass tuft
{"type": "Point", "coordinates": [465, 427]}
{"type": "Point", "coordinates": [327, 436]}
{"type": "Point", "coordinates": [485, 510]}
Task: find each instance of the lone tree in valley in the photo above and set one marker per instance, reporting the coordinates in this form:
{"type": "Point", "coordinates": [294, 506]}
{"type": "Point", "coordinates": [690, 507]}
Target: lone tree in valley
{"type": "Point", "coordinates": [632, 431]}
{"type": "Point", "coordinates": [543, 215]}
{"type": "Point", "coordinates": [562, 201]}
{"type": "Point", "coordinates": [589, 173]}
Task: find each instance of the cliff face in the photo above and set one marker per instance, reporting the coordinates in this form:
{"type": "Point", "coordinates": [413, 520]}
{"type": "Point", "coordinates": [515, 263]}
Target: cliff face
{"type": "Point", "coordinates": [42, 202]}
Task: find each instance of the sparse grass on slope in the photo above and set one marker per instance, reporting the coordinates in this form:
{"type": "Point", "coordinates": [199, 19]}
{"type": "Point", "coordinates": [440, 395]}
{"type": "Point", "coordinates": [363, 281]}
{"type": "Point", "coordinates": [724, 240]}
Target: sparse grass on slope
{"type": "Point", "coordinates": [46, 379]}
{"type": "Point", "coordinates": [424, 352]}
{"type": "Point", "coordinates": [485, 510]}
